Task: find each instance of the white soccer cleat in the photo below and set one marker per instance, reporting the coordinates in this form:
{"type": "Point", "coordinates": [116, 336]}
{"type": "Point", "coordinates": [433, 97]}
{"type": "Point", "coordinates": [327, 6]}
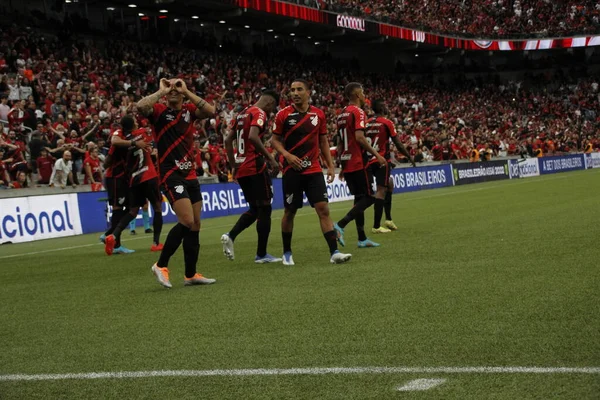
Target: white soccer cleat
{"type": "Point", "coordinates": [198, 279]}
{"type": "Point", "coordinates": [162, 275]}
{"type": "Point", "coordinates": [288, 259]}
{"type": "Point", "coordinates": [339, 258]}
{"type": "Point", "coordinates": [228, 247]}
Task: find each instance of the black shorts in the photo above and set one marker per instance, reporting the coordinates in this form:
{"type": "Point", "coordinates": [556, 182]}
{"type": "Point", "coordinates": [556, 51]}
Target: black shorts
{"type": "Point", "coordinates": [144, 192]}
{"type": "Point", "coordinates": [257, 188]}
{"type": "Point", "coordinates": [117, 191]}
{"type": "Point", "coordinates": [381, 174]}
{"type": "Point", "coordinates": [178, 188]}
{"type": "Point", "coordinates": [296, 184]}
{"type": "Point", "coordinates": [360, 182]}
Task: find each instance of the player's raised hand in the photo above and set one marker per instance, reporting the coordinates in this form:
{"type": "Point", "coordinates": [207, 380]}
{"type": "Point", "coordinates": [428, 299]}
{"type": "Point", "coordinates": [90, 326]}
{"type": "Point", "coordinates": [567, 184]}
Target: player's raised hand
{"type": "Point", "coordinates": [294, 161]}
{"type": "Point", "coordinates": [180, 86]}
{"type": "Point", "coordinates": [165, 85]}
{"type": "Point", "coordinates": [330, 175]}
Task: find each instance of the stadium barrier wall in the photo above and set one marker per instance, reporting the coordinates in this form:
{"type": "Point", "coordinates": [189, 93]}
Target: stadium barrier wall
{"type": "Point", "coordinates": [24, 219]}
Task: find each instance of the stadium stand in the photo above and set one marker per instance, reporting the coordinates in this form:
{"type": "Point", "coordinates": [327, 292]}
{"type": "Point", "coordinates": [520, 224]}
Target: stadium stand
{"type": "Point", "coordinates": [71, 96]}
{"type": "Point", "coordinates": [468, 18]}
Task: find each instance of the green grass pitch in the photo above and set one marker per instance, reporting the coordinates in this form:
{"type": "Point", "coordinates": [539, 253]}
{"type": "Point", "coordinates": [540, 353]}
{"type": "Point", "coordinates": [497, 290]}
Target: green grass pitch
{"type": "Point", "coordinates": [498, 274]}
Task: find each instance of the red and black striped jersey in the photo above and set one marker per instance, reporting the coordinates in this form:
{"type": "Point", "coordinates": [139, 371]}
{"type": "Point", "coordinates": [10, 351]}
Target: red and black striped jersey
{"type": "Point", "coordinates": [350, 120]}
{"type": "Point", "coordinates": [174, 139]}
{"type": "Point", "coordinates": [378, 133]}
{"type": "Point", "coordinates": [301, 134]}
{"type": "Point", "coordinates": [139, 161]}
{"type": "Point", "coordinates": [118, 159]}
{"type": "Point", "coordinates": [252, 162]}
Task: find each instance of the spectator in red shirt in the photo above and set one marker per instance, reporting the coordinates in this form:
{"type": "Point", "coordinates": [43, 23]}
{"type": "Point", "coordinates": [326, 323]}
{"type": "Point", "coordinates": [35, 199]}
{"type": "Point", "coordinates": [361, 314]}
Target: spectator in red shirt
{"type": "Point", "coordinates": [91, 166]}
{"type": "Point", "coordinates": [45, 163]}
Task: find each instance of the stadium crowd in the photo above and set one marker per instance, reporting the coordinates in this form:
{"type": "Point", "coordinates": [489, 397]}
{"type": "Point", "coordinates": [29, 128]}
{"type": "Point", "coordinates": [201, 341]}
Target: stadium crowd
{"type": "Point", "coordinates": [61, 103]}
{"type": "Point", "coordinates": [489, 19]}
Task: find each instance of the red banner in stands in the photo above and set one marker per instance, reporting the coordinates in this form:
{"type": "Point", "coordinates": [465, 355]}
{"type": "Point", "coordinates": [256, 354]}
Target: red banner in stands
{"type": "Point", "coordinates": [355, 23]}
{"type": "Point", "coordinates": [286, 9]}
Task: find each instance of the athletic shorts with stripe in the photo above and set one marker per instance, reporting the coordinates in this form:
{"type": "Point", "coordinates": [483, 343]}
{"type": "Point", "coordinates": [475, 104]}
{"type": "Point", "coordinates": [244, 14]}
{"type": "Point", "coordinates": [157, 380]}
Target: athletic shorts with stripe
{"type": "Point", "coordinates": [117, 190]}
{"type": "Point", "coordinates": [144, 192]}
{"type": "Point", "coordinates": [295, 185]}
{"type": "Point", "coordinates": [381, 174]}
{"type": "Point", "coordinates": [257, 188]}
{"type": "Point", "coordinates": [360, 182]}
{"type": "Point", "coordinates": [177, 189]}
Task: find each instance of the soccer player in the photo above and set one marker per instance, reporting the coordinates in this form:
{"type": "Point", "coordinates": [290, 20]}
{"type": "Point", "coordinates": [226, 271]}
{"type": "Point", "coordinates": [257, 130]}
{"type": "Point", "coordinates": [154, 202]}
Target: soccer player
{"type": "Point", "coordinates": [379, 132]}
{"type": "Point", "coordinates": [117, 189]}
{"type": "Point", "coordinates": [353, 148]}
{"type": "Point", "coordinates": [143, 181]}
{"type": "Point", "coordinates": [252, 173]}
{"type": "Point", "coordinates": [174, 139]}
{"type": "Point", "coordinates": [300, 133]}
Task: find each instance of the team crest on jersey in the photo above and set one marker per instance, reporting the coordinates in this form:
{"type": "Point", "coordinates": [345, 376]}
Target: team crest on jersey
{"type": "Point", "coordinates": [260, 122]}
{"type": "Point", "coordinates": [187, 117]}
{"type": "Point", "coordinates": [315, 120]}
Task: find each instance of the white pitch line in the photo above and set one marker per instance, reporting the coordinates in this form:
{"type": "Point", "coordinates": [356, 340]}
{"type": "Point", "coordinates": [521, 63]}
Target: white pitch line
{"type": "Point", "coordinates": [553, 177]}
{"type": "Point", "coordinates": [302, 371]}
{"type": "Point", "coordinates": [420, 385]}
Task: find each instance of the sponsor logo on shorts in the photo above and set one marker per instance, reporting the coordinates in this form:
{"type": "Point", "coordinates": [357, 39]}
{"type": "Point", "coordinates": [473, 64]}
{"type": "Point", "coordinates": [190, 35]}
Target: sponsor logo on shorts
{"type": "Point", "coordinates": [289, 198]}
{"type": "Point", "coordinates": [121, 200]}
{"type": "Point", "coordinates": [179, 189]}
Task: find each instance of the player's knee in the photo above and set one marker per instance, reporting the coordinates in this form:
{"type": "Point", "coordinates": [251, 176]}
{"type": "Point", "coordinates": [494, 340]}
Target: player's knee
{"type": "Point", "coordinates": [195, 226]}
{"type": "Point", "coordinates": [187, 221]}
{"type": "Point", "coordinates": [289, 214]}
{"type": "Point", "coordinates": [322, 210]}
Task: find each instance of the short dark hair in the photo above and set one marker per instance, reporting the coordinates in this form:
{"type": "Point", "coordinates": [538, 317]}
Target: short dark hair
{"type": "Point", "coordinates": [378, 106]}
{"type": "Point", "coordinates": [127, 123]}
{"type": "Point", "coordinates": [350, 88]}
{"type": "Point", "coordinates": [271, 93]}
{"type": "Point", "coordinates": [304, 82]}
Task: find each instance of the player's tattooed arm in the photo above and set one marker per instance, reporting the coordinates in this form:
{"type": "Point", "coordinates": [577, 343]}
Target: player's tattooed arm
{"type": "Point", "coordinates": [146, 105]}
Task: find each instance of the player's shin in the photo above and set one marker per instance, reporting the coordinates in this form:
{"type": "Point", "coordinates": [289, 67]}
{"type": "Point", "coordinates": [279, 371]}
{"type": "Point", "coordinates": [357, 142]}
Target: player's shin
{"type": "Point", "coordinates": [263, 229]}
{"type": "Point", "coordinates": [378, 211]}
{"type": "Point", "coordinates": [123, 224]}
{"type": "Point", "coordinates": [360, 205]}
{"type": "Point", "coordinates": [157, 224]}
{"type": "Point", "coordinates": [191, 250]}
{"type": "Point", "coordinates": [331, 238]}
{"type": "Point", "coordinates": [388, 206]}
{"type": "Point", "coordinates": [172, 243]}
{"type": "Point", "coordinates": [245, 221]}
{"type": "Point", "coordinates": [115, 218]}
{"type": "Point", "coordinates": [360, 226]}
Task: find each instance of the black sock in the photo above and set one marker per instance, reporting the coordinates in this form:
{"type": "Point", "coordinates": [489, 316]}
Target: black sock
{"type": "Point", "coordinates": [360, 206]}
{"type": "Point", "coordinates": [388, 206]}
{"type": "Point", "coordinates": [331, 238]}
{"type": "Point", "coordinates": [360, 226]}
{"type": "Point", "coordinates": [172, 243]}
{"type": "Point", "coordinates": [286, 237]}
{"type": "Point", "coordinates": [114, 221]}
{"type": "Point", "coordinates": [191, 249]}
{"type": "Point", "coordinates": [379, 203]}
{"type": "Point", "coordinates": [123, 224]}
{"type": "Point", "coordinates": [157, 224]}
{"type": "Point", "coordinates": [245, 221]}
{"type": "Point", "coordinates": [263, 228]}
